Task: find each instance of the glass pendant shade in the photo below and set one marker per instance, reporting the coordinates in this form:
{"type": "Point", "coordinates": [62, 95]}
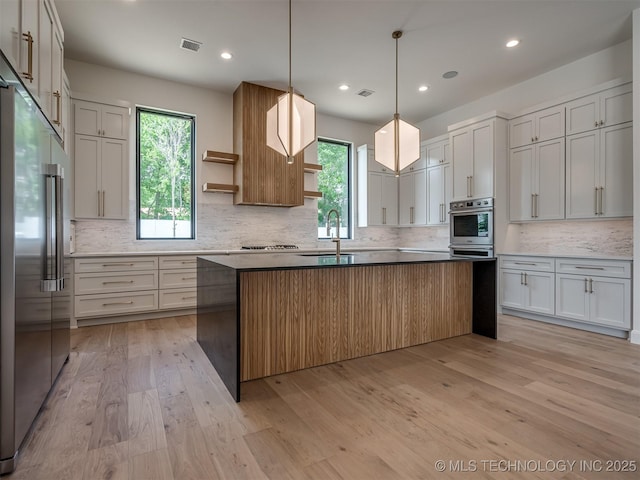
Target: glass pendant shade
{"type": "Point", "coordinates": [397, 144]}
{"type": "Point", "coordinates": [291, 125]}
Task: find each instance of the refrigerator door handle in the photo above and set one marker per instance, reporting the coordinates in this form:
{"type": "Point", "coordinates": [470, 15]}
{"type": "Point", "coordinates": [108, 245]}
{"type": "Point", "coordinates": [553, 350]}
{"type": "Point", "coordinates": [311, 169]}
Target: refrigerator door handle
{"type": "Point", "coordinates": [54, 276]}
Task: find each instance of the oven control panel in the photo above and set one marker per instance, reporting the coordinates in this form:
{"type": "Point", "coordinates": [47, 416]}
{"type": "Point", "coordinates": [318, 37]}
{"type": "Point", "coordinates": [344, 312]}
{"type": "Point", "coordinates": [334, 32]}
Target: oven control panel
{"type": "Point", "coordinates": [472, 204]}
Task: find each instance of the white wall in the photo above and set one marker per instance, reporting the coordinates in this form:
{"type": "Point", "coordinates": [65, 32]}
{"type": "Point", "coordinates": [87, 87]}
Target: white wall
{"type": "Point", "coordinates": [221, 225]}
{"type": "Point", "coordinates": [635, 333]}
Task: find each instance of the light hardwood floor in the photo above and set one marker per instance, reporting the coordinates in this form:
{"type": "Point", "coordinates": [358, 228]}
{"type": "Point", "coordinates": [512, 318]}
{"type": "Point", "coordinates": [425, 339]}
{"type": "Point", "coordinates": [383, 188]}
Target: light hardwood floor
{"type": "Point", "coordinates": [141, 401]}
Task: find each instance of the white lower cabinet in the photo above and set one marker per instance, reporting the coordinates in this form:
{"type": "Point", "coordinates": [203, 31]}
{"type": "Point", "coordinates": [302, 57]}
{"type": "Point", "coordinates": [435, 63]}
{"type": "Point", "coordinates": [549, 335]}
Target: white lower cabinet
{"type": "Point", "coordinates": [117, 286]}
{"type": "Point", "coordinates": [593, 294]}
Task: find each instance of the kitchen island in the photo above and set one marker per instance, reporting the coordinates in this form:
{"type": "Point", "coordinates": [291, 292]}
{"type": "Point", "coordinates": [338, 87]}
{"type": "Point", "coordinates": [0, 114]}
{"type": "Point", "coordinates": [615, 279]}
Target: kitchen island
{"type": "Point", "coordinates": [262, 315]}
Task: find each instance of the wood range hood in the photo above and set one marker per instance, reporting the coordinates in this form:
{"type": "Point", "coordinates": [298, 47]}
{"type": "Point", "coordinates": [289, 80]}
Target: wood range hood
{"type": "Point", "coordinates": [262, 175]}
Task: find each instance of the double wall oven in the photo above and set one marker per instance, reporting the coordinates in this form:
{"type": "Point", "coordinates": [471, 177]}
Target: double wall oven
{"type": "Point", "coordinates": [471, 228]}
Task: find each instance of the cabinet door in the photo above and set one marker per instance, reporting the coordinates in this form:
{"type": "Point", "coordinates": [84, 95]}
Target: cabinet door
{"type": "Point", "coordinates": [56, 82]}
{"type": "Point", "coordinates": [447, 173]}
{"type": "Point", "coordinates": [511, 288]}
{"type": "Point", "coordinates": [582, 163]}
{"type": "Point", "coordinates": [461, 156]}
{"type": "Point", "coordinates": [45, 58]}
{"type": "Point", "coordinates": [390, 199]}
{"type": "Point", "coordinates": [539, 292]}
{"type": "Point", "coordinates": [113, 169]}
{"type": "Point", "coordinates": [550, 124]}
{"type": "Point", "coordinates": [609, 301]}
{"type": "Point", "coordinates": [374, 198]}
{"type": "Point", "coordinates": [521, 131]}
{"type": "Point", "coordinates": [435, 195]}
{"type": "Point", "coordinates": [10, 31]}
{"type": "Point", "coordinates": [30, 63]}
{"type": "Point", "coordinates": [87, 156]}
{"type": "Point", "coordinates": [616, 105]}
{"type": "Point", "coordinates": [520, 183]}
{"type": "Point", "coordinates": [616, 171]}
{"type": "Point", "coordinates": [406, 197]}
{"type": "Point", "coordinates": [420, 197]}
{"type": "Point", "coordinates": [115, 121]}
{"type": "Point", "coordinates": [87, 118]}
{"type": "Point", "coordinates": [549, 178]}
{"type": "Point", "coordinates": [482, 176]}
{"type": "Point", "coordinates": [583, 114]}
{"type": "Point", "coordinates": [572, 299]}
{"type": "Point", "coordinates": [66, 115]}
{"type": "Point", "coordinates": [435, 153]}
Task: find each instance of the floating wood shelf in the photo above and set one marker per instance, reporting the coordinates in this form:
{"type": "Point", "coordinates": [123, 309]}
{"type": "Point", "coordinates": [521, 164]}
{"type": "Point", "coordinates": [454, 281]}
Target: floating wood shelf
{"type": "Point", "coordinates": [219, 188]}
{"type": "Point", "coordinates": [312, 167]}
{"type": "Point", "coordinates": [219, 157]}
{"type": "Point", "coordinates": [309, 194]}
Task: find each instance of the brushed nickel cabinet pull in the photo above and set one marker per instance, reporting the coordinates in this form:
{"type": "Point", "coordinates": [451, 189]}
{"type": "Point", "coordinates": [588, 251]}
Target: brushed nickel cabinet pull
{"type": "Point", "coordinates": [27, 37]}
{"type": "Point", "coordinates": [189, 278]}
{"type": "Point", "coordinates": [117, 303]}
{"type": "Point", "coordinates": [595, 207]}
{"type": "Point", "coordinates": [525, 278]}
{"type": "Point", "coordinates": [596, 123]}
{"type": "Point", "coordinates": [384, 216]}
{"type": "Point", "coordinates": [103, 206]}
{"type": "Point", "coordinates": [113, 282]}
{"type": "Point", "coordinates": [189, 298]}
{"type": "Point", "coordinates": [591, 285]}
{"type": "Point", "coordinates": [118, 264]}
{"type": "Point", "coordinates": [58, 97]}
{"type": "Point", "coordinates": [601, 202]}
{"type": "Point", "coordinates": [589, 268]}
{"type": "Point", "coordinates": [525, 263]}
{"type": "Point", "coordinates": [521, 278]}
{"type": "Point", "coordinates": [532, 216]}
{"type": "Point", "coordinates": [471, 186]}
{"type": "Point", "coordinates": [536, 199]}
{"type": "Point", "coordinates": [601, 122]}
{"type": "Point", "coordinates": [184, 262]}
{"type": "Point", "coordinates": [99, 209]}
{"type": "Point", "coordinates": [586, 283]}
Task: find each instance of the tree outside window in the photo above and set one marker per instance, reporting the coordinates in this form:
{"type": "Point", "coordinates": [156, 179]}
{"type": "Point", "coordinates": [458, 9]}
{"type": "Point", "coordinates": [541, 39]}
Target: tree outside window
{"type": "Point", "coordinates": [335, 185]}
{"type": "Point", "coordinates": [165, 175]}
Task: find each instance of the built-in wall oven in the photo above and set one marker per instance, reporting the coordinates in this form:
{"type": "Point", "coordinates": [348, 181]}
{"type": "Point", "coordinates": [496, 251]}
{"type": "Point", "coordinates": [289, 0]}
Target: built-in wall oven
{"type": "Point", "coordinates": [471, 228]}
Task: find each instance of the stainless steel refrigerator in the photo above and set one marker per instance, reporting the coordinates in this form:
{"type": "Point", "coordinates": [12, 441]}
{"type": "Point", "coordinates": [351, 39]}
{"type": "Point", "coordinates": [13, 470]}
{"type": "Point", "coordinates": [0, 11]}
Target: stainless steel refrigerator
{"type": "Point", "coordinates": [35, 301]}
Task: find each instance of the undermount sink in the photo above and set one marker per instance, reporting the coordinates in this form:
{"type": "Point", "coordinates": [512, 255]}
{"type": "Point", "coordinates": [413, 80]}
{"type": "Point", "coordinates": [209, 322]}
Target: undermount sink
{"type": "Point", "coordinates": [326, 254]}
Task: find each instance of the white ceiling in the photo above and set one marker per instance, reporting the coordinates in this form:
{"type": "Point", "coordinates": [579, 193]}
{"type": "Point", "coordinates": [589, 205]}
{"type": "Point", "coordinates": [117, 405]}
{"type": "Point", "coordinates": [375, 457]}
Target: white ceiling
{"type": "Point", "coordinates": [346, 41]}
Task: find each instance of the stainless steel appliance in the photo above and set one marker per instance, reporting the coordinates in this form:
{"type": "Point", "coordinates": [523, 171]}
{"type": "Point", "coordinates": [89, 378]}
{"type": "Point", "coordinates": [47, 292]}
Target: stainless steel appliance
{"type": "Point", "coordinates": [471, 228]}
{"type": "Point", "coordinates": [35, 299]}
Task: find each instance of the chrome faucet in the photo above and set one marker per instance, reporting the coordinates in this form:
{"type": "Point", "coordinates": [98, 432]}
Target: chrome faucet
{"type": "Point", "coordinates": [335, 239]}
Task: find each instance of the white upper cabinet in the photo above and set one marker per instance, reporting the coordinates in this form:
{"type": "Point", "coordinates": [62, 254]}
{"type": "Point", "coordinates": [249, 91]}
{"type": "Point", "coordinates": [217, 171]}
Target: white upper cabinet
{"type": "Point", "coordinates": [537, 127]}
{"type": "Point", "coordinates": [439, 190]}
{"type": "Point", "coordinates": [101, 120]}
{"type": "Point", "coordinates": [536, 181]}
{"type": "Point", "coordinates": [412, 189]}
{"type": "Point", "coordinates": [600, 173]}
{"type": "Point", "coordinates": [604, 109]}
{"type": "Point", "coordinates": [436, 151]}
{"type": "Point", "coordinates": [10, 31]}
{"type": "Point", "coordinates": [377, 191]}
{"type": "Point", "coordinates": [472, 153]}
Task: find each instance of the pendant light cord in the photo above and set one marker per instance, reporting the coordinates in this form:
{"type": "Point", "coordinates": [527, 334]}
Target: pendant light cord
{"type": "Point", "coordinates": [290, 86]}
{"type": "Point", "coordinates": [397, 37]}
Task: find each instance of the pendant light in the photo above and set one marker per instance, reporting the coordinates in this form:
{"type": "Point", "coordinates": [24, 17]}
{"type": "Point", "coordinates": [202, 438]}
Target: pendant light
{"type": "Point", "coordinates": [397, 144]}
{"type": "Point", "coordinates": [291, 122]}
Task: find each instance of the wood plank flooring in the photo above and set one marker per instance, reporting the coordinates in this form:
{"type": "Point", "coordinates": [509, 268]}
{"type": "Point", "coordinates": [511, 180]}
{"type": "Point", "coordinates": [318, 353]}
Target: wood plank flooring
{"type": "Point", "coordinates": [141, 401]}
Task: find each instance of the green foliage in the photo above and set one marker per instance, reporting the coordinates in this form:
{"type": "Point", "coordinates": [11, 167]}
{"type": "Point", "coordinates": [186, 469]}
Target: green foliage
{"type": "Point", "coordinates": [333, 181]}
{"type": "Point", "coordinates": [165, 167]}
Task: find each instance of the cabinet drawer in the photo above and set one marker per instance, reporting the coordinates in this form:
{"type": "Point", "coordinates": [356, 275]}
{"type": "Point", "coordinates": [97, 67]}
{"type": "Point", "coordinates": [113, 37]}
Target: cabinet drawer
{"type": "Point", "coordinates": [178, 261]}
{"type": "Point", "coordinates": [115, 264]}
{"type": "Point", "coordinates": [538, 264]}
{"type": "Point", "coordinates": [92, 283]}
{"type": "Point", "coordinates": [178, 298]}
{"type": "Point", "coordinates": [178, 278]}
{"type": "Point", "coordinates": [115, 303]}
{"type": "Point", "coordinates": [595, 267]}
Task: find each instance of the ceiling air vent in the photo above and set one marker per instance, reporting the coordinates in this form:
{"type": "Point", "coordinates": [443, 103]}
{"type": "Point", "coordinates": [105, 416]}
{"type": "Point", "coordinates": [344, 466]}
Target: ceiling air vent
{"type": "Point", "coordinates": [365, 93]}
{"type": "Point", "coordinates": [191, 45]}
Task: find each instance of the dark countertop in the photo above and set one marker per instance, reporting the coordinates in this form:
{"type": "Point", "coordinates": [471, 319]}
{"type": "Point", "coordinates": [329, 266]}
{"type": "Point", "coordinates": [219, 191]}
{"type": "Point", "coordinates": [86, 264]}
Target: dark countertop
{"type": "Point", "coordinates": [291, 260]}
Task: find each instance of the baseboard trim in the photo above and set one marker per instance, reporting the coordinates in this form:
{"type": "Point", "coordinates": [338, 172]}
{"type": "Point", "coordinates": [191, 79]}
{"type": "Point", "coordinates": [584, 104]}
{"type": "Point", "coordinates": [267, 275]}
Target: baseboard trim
{"type": "Point", "coordinates": [634, 337]}
{"type": "Point", "coordinates": [89, 322]}
{"type": "Point", "coordinates": [613, 332]}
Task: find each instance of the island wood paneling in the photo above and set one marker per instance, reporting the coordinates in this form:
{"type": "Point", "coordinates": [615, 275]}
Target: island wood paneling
{"type": "Point", "coordinates": [263, 176]}
{"type": "Point", "coordinates": [295, 319]}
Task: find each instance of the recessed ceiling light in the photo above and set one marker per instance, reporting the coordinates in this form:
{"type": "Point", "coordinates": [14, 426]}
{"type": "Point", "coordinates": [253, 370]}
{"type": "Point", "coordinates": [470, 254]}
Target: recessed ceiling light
{"type": "Point", "coordinates": [226, 55]}
{"type": "Point", "coordinates": [423, 88]}
{"type": "Point", "coordinates": [513, 43]}
{"type": "Point", "coordinates": [450, 74]}
{"type": "Point", "coordinates": [343, 87]}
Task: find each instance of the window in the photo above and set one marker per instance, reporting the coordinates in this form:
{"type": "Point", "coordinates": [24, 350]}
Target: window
{"type": "Point", "coordinates": [334, 181]}
{"type": "Point", "coordinates": [165, 175]}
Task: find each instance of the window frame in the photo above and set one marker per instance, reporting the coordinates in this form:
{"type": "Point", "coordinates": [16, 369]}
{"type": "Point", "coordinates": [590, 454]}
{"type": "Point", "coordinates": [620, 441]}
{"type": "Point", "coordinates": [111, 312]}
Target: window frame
{"type": "Point", "coordinates": [350, 192]}
{"type": "Point", "coordinates": [194, 193]}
